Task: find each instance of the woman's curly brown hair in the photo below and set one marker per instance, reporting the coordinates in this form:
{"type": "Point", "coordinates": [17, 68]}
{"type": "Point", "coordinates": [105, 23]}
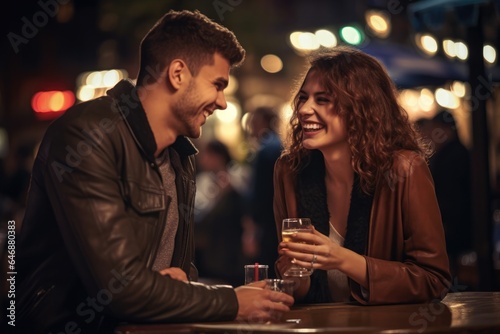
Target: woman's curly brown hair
{"type": "Point", "coordinates": [365, 97]}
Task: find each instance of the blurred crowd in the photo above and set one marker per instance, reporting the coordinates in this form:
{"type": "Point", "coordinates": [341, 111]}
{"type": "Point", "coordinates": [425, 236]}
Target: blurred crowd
{"type": "Point", "coordinates": [234, 203]}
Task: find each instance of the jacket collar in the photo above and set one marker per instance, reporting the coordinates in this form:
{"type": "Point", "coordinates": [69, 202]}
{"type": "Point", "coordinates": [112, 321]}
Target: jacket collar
{"type": "Point", "coordinates": [129, 104]}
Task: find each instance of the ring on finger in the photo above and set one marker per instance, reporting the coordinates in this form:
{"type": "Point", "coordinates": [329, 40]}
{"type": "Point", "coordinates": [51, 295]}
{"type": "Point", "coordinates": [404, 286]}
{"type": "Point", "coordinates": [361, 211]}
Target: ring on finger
{"type": "Point", "coordinates": [313, 260]}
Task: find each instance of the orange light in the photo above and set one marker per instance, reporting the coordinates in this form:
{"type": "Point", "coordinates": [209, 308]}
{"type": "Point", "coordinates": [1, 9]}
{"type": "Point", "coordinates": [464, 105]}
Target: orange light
{"type": "Point", "coordinates": [52, 101]}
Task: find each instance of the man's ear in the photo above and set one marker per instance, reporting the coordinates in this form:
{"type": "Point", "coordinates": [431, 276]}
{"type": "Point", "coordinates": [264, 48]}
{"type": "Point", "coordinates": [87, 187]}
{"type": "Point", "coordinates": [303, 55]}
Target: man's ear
{"type": "Point", "coordinates": [177, 73]}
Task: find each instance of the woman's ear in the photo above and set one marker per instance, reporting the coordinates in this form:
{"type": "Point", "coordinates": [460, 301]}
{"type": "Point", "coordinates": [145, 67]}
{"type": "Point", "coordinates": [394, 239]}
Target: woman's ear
{"type": "Point", "coordinates": [177, 73]}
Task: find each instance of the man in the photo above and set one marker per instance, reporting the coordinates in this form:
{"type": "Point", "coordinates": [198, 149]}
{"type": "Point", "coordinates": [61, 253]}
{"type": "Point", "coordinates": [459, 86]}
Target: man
{"type": "Point", "coordinates": [108, 229]}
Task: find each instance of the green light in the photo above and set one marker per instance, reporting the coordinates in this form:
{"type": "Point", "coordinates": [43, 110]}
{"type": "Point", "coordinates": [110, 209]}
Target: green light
{"type": "Point", "coordinates": [351, 35]}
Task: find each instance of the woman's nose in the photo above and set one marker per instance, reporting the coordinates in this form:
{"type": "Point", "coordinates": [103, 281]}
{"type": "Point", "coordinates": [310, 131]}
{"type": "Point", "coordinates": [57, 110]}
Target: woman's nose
{"type": "Point", "coordinates": [306, 108]}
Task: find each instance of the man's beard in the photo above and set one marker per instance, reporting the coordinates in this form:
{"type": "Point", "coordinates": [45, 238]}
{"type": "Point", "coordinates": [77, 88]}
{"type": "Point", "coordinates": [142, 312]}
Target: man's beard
{"type": "Point", "coordinates": [186, 112]}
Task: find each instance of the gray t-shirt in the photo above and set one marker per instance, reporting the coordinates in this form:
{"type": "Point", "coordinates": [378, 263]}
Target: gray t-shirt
{"type": "Point", "coordinates": [167, 244]}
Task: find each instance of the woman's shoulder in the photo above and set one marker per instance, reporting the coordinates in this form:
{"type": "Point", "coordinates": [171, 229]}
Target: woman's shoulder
{"type": "Point", "coordinates": [283, 163]}
{"type": "Point", "coordinates": [406, 163]}
{"type": "Point", "coordinates": [407, 159]}
{"type": "Point", "coordinates": [284, 167]}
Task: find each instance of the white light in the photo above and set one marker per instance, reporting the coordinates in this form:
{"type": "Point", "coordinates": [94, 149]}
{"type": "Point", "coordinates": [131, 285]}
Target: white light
{"type": "Point", "coordinates": [428, 44]}
{"type": "Point", "coordinates": [458, 88]}
{"type": "Point", "coordinates": [489, 53]}
{"type": "Point", "coordinates": [286, 112]}
{"type": "Point", "coordinates": [294, 39]}
{"type": "Point", "coordinates": [304, 41]}
{"type": "Point", "coordinates": [271, 63]}
{"type": "Point", "coordinates": [94, 79]}
{"type": "Point", "coordinates": [85, 93]}
{"type": "Point", "coordinates": [410, 97]}
{"type": "Point", "coordinates": [229, 114]}
{"type": "Point", "coordinates": [461, 50]}
{"type": "Point", "coordinates": [110, 78]}
{"type": "Point", "coordinates": [426, 99]}
{"type": "Point", "coordinates": [446, 99]}
{"type": "Point", "coordinates": [378, 22]}
{"type": "Point", "coordinates": [244, 122]}
{"type": "Point", "coordinates": [326, 38]}
{"type": "Point", "coordinates": [232, 86]}
{"type": "Point", "coordinates": [308, 41]}
{"type": "Point", "coordinates": [449, 48]}
{"type": "Point", "coordinates": [100, 79]}
{"type": "Point", "coordinates": [229, 134]}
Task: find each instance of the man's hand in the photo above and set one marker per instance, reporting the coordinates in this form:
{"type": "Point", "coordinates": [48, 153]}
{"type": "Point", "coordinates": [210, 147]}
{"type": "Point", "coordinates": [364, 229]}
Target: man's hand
{"type": "Point", "coordinates": [175, 273]}
{"type": "Point", "coordinates": [257, 304]}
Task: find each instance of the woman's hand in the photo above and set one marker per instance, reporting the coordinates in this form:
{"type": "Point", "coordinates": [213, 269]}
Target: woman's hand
{"type": "Point", "coordinates": [315, 250]}
{"type": "Point", "coordinates": [312, 250]}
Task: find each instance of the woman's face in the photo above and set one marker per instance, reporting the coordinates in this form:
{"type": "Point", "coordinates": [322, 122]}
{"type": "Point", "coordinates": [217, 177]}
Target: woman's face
{"type": "Point", "coordinates": [322, 126]}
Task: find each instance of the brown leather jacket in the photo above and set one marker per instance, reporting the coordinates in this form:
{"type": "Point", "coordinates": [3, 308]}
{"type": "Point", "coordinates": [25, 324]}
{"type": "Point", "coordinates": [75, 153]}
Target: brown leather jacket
{"type": "Point", "coordinates": [94, 220]}
{"type": "Point", "coordinates": [406, 251]}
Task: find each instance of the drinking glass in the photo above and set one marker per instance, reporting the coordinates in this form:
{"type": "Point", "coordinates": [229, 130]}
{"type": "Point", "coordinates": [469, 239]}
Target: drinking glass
{"type": "Point", "coordinates": [255, 272]}
{"type": "Point", "coordinates": [281, 285]}
{"type": "Point", "coordinates": [291, 226]}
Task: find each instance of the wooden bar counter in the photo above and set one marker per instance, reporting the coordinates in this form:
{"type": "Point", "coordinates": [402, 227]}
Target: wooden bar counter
{"type": "Point", "coordinates": [459, 312]}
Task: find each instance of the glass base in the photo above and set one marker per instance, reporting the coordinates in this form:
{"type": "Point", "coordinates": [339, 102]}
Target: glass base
{"type": "Point", "coordinates": [298, 272]}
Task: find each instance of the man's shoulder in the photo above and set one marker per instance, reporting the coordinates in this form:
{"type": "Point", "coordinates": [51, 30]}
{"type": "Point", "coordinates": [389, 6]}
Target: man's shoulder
{"type": "Point", "coordinates": [99, 112]}
{"type": "Point", "coordinates": [87, 119]}
{"type": "Point", "coordinates": [96, 110]}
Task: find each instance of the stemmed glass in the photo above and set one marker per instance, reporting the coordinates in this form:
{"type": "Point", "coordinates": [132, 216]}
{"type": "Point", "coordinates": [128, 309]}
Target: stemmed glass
{"type": "Point", "coordinates": [291, 226]}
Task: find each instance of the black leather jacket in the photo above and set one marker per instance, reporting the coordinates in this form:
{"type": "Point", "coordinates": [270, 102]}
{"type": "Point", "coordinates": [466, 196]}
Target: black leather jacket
{"type": "Point", "coordinates": [95, 215]}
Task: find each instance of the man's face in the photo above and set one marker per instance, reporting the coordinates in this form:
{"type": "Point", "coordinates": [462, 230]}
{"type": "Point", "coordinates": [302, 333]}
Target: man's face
{"type": "Point", "coordinates": [203, 95]}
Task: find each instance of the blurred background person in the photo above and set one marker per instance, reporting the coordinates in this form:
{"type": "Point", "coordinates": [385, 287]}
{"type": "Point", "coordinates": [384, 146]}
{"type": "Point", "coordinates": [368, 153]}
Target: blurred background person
{"type": "Point", "coordinates": [218, 217]}
{"type": "Point", "coordinates": [450, 169]}
{"type": "Point", "coordinates": [263, 125]}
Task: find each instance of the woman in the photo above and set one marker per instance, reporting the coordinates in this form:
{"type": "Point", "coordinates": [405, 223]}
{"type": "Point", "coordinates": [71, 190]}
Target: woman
{"type": "Point", "coordinates": [356, 167]}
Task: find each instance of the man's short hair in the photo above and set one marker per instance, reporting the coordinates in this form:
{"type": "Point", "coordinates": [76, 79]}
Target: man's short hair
{"type": "Point", "coordinates": [190, 36]}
